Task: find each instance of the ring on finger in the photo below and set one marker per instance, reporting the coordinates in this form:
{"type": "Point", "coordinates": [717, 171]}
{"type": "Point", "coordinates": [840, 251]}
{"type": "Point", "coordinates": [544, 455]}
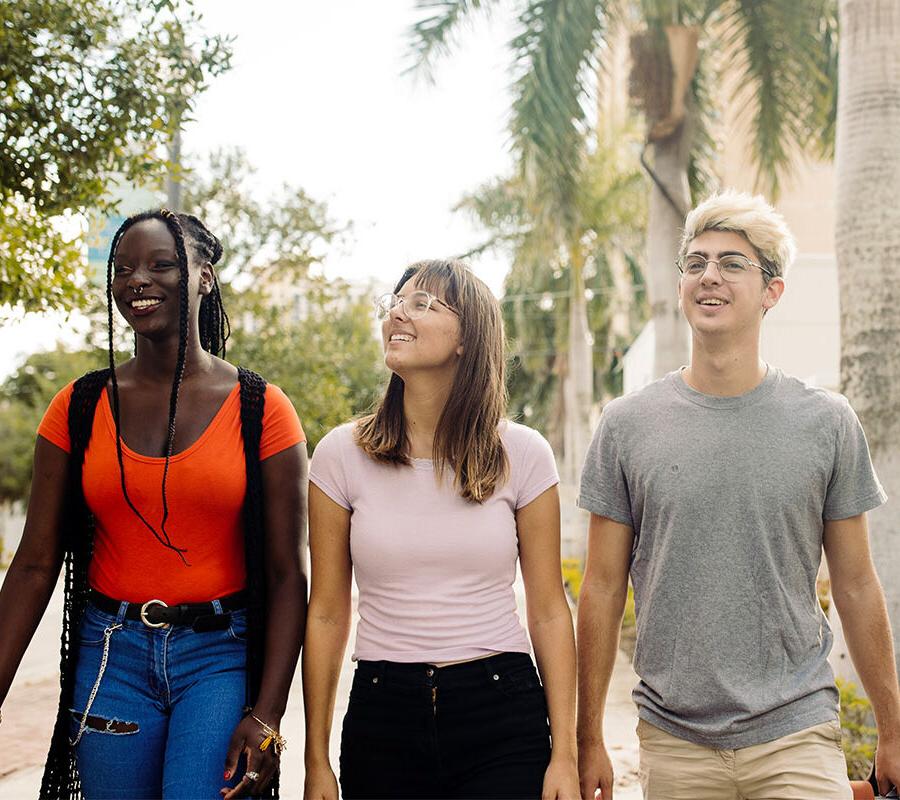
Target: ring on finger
{"type": "Point", "coordinates": [251, 775]}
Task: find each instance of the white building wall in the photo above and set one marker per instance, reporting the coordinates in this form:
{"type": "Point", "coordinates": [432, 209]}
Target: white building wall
{"type": "Point", "coordinates": [801, 335]}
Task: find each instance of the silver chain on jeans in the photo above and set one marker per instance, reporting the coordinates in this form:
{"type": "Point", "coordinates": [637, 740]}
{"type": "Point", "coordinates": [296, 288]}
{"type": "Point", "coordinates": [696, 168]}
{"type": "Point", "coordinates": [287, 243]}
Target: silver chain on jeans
{"type": "Point", "coordinates": [107, 633]}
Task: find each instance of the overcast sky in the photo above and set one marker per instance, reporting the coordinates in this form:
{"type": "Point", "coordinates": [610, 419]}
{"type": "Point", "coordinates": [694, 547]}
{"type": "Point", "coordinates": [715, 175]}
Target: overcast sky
{"type": "Point", "coordinates": [317, 99]}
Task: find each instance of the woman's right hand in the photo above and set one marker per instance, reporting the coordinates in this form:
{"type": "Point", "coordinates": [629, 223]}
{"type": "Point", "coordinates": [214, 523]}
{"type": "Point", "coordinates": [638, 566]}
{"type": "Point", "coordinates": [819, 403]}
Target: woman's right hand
{"type": "Point", "coordinates": [320, 783]}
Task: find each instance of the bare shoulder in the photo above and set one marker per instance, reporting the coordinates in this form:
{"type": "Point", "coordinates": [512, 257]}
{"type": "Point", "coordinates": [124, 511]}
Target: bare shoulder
{"type": "Point", "coordinates": [223, 374]}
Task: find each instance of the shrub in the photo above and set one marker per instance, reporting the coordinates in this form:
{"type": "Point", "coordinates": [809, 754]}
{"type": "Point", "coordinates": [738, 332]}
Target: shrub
{"type": "Point", "coordinates": [859, 733]}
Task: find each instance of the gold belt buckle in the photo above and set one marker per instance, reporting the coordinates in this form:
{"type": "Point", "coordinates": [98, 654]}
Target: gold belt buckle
{"type": "Point", "coordinates": [144, 614]}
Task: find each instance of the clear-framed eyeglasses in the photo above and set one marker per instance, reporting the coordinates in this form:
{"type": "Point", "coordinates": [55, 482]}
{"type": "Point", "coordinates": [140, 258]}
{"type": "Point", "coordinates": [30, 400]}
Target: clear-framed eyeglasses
{"type": "Point", "coordinates": [733, 267]}
{"type": "Point", "coordinates": [415, 304]}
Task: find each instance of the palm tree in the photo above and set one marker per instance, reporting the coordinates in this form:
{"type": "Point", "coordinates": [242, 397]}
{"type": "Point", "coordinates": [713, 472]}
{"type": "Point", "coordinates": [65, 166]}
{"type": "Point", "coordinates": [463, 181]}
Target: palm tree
{"type": "Point", "coordinates": [612, 215]}
{"type": "Point", "coordinates": [777, 48]}
{"type": "Point", "coordinates": [867, 244]}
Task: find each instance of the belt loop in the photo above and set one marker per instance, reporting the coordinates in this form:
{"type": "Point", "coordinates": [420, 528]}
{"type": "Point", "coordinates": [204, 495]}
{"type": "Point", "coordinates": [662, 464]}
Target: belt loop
{"type": "Point", "coordinates": [382, 668]}
{"type": "Point", "coordinates": [120, 617]}
{"type": "Point", "coordinates": [217, 606]}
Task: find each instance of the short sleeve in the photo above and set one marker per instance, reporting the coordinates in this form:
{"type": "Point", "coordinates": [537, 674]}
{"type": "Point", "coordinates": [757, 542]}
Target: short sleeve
{"type": "Point", "coordinates": [538, 469]}
{"type": "Point", "coordinates": [281, 427]}
{"type": "Point", "coordinates": [54, 425]}
{"type": "Point", "coordinates": [604, 488]}
{"type": "Point", "coordinates": [326, 469]}
{"type": "Point", "coordinates": [854, 487]}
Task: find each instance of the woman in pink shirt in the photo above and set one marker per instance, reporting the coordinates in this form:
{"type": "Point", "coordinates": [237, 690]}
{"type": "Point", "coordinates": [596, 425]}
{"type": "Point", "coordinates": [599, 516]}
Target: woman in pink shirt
{"type": "Point", "coordinates": [430, 502]}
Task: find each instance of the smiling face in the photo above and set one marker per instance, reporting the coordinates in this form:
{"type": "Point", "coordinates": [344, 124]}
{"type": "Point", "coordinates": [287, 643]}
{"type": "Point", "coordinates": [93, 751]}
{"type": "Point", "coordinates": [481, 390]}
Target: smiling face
{"type": "Point", "coordinates": [146, 279]}
{"type": "Point", "coordinates": [713, 305]}
{"type": "Point", "coordinates": [431, 343]}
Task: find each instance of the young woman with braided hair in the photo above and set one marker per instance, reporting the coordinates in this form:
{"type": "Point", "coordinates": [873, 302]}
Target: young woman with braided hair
{"type": "Point", "coordinates": [431, 501]}
{"type": "Point", "coordinates": [173, 488]}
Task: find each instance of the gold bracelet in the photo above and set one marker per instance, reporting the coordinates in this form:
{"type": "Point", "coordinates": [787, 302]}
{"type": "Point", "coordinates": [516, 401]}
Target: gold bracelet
{"type": "Point", "coordinates": [273, 737]}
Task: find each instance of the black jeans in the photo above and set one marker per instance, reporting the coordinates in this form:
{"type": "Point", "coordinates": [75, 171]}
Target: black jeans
{"type": "Point", "coordinates": [472, 730]}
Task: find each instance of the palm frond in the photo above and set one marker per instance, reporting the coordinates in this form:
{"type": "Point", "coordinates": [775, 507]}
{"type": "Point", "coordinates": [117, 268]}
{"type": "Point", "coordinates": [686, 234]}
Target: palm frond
{"type": "Point", "coordinates": [555, 61]}
{"type": "Point", "coordinates": [613, 193]}
{"type": "Point", "coordinates": [498, 205]}
{"type": "Point", "coordinates": [777, 47]}
{"type": "Point", "coordinates": [702, 178]}
{"type": "Point", "coordinates": [659, 13]}
{"type": "Point", "coordinates": [823, 121]}
{"type": "Point", "coordinates": [435, 35]}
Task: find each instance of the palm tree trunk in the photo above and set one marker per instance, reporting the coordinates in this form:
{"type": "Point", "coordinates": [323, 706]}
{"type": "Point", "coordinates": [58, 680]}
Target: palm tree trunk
{"type": "Point", "coordinates": [578, 390]}
{"type": "Point", "coordinates": [665, 222]}
{"type": "Point", "coordinates": [868, 255]}
{"type": "Point", "coordinates": [669, 61]}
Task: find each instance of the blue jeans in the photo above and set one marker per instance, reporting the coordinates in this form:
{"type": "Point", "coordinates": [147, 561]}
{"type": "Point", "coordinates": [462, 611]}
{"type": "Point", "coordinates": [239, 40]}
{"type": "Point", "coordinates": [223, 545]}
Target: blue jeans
{"type": "Point", "coordinates": [164, 709]}
{"type": "Point", "coordinates": [473, 730]}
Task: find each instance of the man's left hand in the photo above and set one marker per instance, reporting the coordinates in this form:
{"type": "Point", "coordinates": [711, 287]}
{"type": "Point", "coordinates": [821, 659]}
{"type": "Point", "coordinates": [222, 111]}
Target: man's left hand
{"type": "Point", "coordinates": [887, 764]}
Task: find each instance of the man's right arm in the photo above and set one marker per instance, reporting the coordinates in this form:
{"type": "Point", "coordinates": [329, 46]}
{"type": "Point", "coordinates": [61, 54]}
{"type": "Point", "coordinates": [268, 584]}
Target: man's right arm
{"type": "Point", "coordinates": [601, 605]}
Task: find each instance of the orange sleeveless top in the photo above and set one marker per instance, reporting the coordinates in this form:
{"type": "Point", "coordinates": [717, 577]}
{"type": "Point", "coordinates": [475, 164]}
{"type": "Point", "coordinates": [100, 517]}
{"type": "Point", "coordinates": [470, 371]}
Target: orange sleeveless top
{"type": "Point", "coordinates": [205, 490]}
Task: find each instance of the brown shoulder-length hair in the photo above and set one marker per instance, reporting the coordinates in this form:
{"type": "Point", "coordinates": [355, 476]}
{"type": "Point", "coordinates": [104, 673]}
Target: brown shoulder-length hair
{"type": "Point", "coordinates": [467, 437]}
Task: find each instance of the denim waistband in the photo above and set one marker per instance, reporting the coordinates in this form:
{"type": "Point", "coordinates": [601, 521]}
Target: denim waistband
{"type": "Point", "coordinates": [424, 674]}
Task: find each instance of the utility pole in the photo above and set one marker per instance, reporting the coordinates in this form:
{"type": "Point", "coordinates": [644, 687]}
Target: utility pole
{"type": "Point", "coordinates": [173, 179]}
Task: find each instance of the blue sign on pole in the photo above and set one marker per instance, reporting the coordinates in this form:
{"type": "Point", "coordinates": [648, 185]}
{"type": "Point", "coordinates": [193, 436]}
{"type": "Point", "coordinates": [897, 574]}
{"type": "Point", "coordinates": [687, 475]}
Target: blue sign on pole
{"type": "Point", "coordinates": [98, 248]}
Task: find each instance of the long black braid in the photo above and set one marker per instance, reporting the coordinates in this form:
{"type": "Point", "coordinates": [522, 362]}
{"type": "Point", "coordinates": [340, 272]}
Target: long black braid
{"type": "Point", "coordinates": [214, 331]}
{"type": "Point", "coordinates": [215, 327]}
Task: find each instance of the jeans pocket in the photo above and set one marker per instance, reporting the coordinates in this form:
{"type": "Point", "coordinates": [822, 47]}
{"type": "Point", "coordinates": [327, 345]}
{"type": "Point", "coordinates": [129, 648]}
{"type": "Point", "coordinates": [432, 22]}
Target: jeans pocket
{"type": "Point", "coordinates": [93, 627]}
{"type": "Point", "coordinates": [366, 683]}
{"type": "Point", "coordinates": [518, 681]}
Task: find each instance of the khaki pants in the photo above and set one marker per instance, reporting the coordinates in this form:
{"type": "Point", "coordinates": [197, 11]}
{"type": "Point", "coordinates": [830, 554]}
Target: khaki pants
{"type": "Point", "coordinates": [806, 765]}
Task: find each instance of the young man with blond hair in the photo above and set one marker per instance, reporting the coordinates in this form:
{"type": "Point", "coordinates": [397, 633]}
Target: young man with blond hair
{"type": "Point", "coordinates": [716, 488]}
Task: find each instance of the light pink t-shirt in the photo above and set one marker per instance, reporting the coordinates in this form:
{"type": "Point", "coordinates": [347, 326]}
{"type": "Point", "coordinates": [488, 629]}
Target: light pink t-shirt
{"type": "Point", "coordinates": [435, 572]}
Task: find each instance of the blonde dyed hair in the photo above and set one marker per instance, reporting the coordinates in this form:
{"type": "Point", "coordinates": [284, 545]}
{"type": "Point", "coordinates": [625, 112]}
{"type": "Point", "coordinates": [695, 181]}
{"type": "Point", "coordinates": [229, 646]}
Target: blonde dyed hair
{"type": "Point", "coordinates": [750, 216]}
{"type": "Point", "coordinates": [467, 439]}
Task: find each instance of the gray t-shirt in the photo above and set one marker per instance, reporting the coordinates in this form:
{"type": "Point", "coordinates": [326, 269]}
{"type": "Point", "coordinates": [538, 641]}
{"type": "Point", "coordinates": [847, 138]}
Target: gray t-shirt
{"type": "Point", "coordinates": [727, 497]}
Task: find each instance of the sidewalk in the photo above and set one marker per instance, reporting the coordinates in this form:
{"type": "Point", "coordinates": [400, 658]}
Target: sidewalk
{"type": "Point", "coordinates": [30, 709]}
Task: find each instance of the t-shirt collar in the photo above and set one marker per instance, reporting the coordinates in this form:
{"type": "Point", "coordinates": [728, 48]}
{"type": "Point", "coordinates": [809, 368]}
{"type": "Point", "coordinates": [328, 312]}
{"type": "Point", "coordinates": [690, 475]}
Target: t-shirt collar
{"type": "Point", "coordinates": [765, 388]}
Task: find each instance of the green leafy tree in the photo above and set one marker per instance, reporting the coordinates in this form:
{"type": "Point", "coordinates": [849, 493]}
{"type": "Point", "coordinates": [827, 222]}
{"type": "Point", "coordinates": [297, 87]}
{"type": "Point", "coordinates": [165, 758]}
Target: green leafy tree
{"type": "Point", "coordinates": [537, 301]}
{"type": "Point", "coordinates": [91, 89]}
{"type": "Point", "coordinates": [24, 396]}
{"type": "Point", "coordinates": [280, 239]}
{"type": "Point", "coordinates": [312, 336]}
{"type": "Point", "coordinates": [328, 362]}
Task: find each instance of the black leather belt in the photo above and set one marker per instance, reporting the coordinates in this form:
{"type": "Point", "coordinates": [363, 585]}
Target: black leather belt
{"type": "Point", "coordinates": [156, 614]}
